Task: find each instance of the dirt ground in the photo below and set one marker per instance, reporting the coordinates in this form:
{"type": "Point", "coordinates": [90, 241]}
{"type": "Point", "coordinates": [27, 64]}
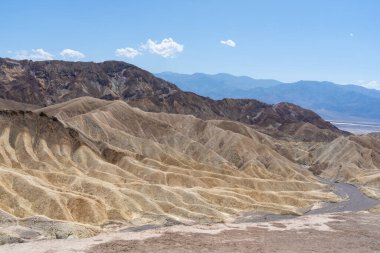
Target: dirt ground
{"type": "Point", "coordinates": [339, 232]}
{"type": "Point", "coordinates": [351, 233]}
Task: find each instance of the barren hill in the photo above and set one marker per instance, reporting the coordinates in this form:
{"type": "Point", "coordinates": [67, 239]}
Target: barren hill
{"type": "Point", "coordinates": [94, 161]}
{"type": "Point", "coordinates": [354, 159]}
{"type": "Point", "coordinates": [49, 82]}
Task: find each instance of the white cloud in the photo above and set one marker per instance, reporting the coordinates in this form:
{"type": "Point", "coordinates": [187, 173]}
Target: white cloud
{"type": "Point", "coordinates": [127, 52]}
{"type": "Point", "coordinates": [229, 43]}
{"type": "Point", "coordinates": [372, 85]}
{"type": "Point", "coordinates": [71, 54]}
{"type": "Point", "coordinates": [35, 54]}
{"type": "Point", "coordinates": [167, 48]}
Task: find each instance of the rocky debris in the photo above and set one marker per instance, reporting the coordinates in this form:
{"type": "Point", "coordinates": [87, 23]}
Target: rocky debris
{"type": "Point", "coordinates": [16, 230]}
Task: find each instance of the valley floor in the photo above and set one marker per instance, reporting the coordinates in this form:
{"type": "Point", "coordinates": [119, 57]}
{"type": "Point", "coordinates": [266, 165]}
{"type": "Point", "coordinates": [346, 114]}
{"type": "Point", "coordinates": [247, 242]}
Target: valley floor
{"type": "Point", "coordinates": [329, 227]}
{"type": "Point", "coordinates": [337, 232]}
{"type": "Point", "coordinates": [357, 127]}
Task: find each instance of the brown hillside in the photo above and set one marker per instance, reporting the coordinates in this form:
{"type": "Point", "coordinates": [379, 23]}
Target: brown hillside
{"type": "Point", "coordinates": [49, 82]}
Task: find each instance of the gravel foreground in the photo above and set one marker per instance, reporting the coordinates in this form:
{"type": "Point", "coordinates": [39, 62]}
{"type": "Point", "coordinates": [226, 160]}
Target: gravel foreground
{"type": "Point", "coordinates": [339, 232]}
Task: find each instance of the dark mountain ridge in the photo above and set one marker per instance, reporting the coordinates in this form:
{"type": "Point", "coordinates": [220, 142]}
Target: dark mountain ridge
{"type": "Point", "coordinates": [49, 82]}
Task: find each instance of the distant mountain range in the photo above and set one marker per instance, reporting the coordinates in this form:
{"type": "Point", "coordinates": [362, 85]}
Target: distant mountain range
{"type": "Point", "coordinates": [332, 101]}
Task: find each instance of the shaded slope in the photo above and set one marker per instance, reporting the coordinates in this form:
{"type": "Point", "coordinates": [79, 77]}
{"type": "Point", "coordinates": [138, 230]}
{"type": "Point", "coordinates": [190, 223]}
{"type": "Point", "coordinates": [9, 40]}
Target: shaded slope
{"type": "Point", "coordinates": [13, 105]}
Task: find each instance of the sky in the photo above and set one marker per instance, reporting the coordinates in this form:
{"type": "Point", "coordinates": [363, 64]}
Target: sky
{"type": "Point", "coordinates": [325, 40]}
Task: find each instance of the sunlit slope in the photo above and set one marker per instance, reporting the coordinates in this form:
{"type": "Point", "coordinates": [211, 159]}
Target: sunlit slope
{"type": "Point", "coordinates": [354, 159]}
{"type": "Point", "coordinates": [95, 161]}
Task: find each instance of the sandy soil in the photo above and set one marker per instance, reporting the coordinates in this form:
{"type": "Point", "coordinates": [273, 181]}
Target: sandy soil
{"type": "Point", "coordinates": [350, 233]}
{"type": "Point", "coordinates": [343, 232]}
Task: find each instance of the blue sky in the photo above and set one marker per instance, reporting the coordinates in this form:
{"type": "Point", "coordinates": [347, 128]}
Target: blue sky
{"type": "Point", "coordinates": [335, 40]}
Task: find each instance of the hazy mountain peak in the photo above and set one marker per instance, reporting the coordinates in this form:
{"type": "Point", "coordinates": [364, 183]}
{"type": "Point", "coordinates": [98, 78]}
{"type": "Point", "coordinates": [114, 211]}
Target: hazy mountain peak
{"type": "Point", "coordinates": [333, 101]}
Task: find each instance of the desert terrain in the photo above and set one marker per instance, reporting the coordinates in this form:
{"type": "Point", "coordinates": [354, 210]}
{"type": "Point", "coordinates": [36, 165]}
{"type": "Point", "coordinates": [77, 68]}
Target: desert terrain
{"type": "Point", "coordinates": [339, 232]}
{"type": "Point", "coordinates": [105, 157]}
